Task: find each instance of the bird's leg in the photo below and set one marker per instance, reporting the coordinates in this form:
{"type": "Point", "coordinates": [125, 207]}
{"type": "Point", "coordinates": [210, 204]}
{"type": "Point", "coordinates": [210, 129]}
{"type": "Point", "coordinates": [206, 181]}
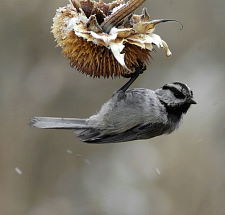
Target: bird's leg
{"type": "Point", "coordinates": [127, 84]}
{"type": "Point", "coordinates": [138, 70]}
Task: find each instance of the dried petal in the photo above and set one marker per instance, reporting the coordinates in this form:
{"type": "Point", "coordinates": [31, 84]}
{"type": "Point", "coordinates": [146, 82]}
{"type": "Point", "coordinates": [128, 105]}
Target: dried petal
{"type": "Point", "coordinates": [135, 18]}
{"type": "Point", "coordinates": [127, 22]}
{"type": "Point", "coordinates": [123, 32]}
{"type": "Point", "coordinates": [100, 16]}
{"type": "Point", "coordinates": [87, 7]}
{"type": "Point", "coordinates": [145, 16]}
{"type": "Point", "coordinates": [165, 46]}
{"type": "Point", "coordinates": [144, 28]}
{"type": "Point", "coordinates": [92, 24]}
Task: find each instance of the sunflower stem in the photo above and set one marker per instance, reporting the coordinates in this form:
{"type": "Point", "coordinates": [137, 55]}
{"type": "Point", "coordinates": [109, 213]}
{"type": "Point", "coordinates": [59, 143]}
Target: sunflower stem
{"type": "Point", "coordinates": [115, 18]}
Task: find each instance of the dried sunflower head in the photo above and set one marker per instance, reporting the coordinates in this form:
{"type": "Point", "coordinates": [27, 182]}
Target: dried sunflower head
{"type": "Point", "coordinates": [106, 39]}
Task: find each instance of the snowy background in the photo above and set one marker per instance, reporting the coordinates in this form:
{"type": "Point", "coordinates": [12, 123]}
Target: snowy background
{"type": "Point", "coordinates": [49, 172]}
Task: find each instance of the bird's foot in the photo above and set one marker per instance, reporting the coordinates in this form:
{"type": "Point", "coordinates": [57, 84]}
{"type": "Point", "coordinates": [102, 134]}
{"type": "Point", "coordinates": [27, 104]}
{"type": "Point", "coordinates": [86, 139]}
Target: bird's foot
{"type": "Point", "coordinates": [138, 69]}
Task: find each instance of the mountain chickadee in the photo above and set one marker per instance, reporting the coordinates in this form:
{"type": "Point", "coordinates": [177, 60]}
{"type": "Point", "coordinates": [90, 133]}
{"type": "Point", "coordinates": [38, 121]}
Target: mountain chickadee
{"type": "Point", "coordinates": [131, 114]}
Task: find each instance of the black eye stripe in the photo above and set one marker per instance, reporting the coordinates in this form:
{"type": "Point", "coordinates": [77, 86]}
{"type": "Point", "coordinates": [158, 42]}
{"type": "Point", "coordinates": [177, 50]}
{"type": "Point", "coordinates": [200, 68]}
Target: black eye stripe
{"type": "Point", "coordinates": [178, 94]}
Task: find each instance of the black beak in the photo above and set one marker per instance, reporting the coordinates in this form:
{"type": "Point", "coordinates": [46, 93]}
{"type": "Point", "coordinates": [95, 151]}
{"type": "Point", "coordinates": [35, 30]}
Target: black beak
{"type": "Point", "coordinates": [192, 101]}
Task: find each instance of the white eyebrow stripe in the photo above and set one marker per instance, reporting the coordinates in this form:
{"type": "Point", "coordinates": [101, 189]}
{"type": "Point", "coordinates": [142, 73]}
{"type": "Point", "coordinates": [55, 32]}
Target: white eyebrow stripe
{"type": "Point", "coordinates": [181, 87]}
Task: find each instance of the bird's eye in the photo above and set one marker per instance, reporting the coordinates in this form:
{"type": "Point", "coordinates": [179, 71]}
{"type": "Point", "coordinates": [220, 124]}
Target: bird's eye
{"type": "Point", "coordinates": [179, 95]}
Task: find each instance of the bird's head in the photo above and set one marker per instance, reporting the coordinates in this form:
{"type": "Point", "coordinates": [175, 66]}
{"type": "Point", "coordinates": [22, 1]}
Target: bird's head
{"type": "Point", "coordinates": [177, 97]}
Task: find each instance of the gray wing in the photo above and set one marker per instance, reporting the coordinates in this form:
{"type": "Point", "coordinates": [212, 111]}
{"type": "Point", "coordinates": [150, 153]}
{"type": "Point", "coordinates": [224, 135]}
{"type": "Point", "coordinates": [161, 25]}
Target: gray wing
{"type": "Point", "coordinates": [143, 131]}
{"type": "Point", "coordinates": [128, 110]}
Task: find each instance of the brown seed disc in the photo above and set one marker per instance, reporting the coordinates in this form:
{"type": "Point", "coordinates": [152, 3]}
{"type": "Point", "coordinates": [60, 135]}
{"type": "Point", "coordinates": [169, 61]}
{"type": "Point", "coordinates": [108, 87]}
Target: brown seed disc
{"type": "Point", "coordinates": [98, 61]}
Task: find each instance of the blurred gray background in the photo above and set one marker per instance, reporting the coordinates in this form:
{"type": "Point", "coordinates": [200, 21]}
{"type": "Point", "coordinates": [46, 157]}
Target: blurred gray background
{"type": "Point", "coordinates": [49, 172]}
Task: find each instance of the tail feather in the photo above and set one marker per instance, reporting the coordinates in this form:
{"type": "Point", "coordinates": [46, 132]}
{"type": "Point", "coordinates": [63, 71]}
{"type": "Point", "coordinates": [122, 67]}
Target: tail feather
{"type": "Point", "coordinates": [58, 123]}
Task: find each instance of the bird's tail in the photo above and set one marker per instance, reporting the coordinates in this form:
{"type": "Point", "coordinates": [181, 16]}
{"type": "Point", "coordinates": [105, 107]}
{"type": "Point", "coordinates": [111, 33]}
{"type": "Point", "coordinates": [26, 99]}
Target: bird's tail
{"type": "Point", "coordinates": [58, 123]}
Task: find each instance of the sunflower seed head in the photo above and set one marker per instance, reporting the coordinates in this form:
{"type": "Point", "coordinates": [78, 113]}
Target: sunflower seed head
{"type": "Point", "coordinates": [106, 39]}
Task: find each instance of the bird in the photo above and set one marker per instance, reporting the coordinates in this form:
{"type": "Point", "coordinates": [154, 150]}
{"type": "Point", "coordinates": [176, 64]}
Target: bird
{"type": "Point", "coordinates": [130, 114]}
